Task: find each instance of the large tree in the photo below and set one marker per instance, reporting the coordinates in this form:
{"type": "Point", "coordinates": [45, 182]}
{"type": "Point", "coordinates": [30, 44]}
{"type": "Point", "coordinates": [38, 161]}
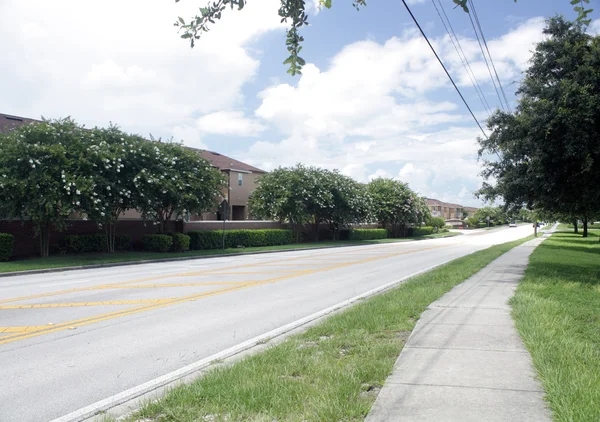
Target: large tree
{"type": "Point", "coordinates": [294, 12]}
{"type": "Point", "coordinates": [546, 155]}
{"type": "Point", "coordinates": [173, 182]}
{"type": "Point", "coordinates": [42, 177]}
{"type": "Point", "coordinates": [113, 159]}
{"type": "Point", "coordinates": [297, 195]}
{"type": "Point", "coordinates": [395, 206]}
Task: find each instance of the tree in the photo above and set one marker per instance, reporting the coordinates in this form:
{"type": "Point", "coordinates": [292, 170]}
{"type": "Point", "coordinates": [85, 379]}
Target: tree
{"type": "Point", "coordinates": [173, 182]}
{"type": "Point", "coordinates": [113, 159]}
{"type": "Point", "coordinates": [297, 195]}
{"type": "Point", "coordinates": [294, 11]}
{"type": "Point", "coordinates": [546, 155]}
{"type": "Point", "coordinates": [395, 205]}
{"type": "Point", "coordinates": [41, 179]}
{"type": "Point", "coordinates": [437, 223]}
{"type": "Point", "coordinates": [350, 199]}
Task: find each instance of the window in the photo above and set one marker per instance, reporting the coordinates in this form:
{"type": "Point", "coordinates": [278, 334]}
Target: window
{"type": "Point", "coordinates": [240, 179]}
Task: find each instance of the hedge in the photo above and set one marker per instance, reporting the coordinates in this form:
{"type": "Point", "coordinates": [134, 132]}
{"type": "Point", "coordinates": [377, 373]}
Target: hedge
{"type": "Point", "coordinates": [422, 231]}
{"type": "Point", "coordinates": [213, 239]}
{"type": "Point", "coordinates": [7, 242]}
{"type": "Point", "coordinates": [181, 242]}
{"type": "Point", "coordinates": [157, 242]}
{"type": "Point", "coordinates": [367, 234]}
{"type": "Point", "coordinates": [86, 243]}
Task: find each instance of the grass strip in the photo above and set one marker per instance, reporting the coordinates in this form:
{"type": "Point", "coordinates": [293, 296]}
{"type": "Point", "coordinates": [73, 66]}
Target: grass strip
{"type": "Point", "coordinates": [557, 313]}
{"type": "Point", "coordinates": [331, 372]}
{"type": "Point", "coordinates": [62, 261]}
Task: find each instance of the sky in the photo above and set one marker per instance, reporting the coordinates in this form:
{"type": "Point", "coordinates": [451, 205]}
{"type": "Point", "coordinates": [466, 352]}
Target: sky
{"type": "Point", "coordinates": [372, 100]}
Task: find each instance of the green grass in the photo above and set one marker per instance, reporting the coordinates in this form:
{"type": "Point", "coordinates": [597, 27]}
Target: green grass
{"type": "Point", "coordinates": [331, 372]}
{"type": "Point", "coordinates": [557, 312]}
{"type": "Point", "coordinates": [62, 261]}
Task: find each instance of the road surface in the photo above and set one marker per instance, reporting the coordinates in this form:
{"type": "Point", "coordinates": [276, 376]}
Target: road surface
{"type": "Point", "coordinates": [70, 339]}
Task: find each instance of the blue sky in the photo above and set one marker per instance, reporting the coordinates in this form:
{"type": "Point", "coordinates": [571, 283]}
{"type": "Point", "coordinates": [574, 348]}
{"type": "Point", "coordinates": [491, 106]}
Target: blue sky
{"type": "Point", "coordinates": [372, 100]}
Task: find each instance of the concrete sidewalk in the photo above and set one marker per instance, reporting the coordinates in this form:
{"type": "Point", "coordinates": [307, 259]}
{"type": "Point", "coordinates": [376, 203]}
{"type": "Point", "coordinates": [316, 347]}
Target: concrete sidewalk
{"type": "Point", "coordinates": [465, 361]}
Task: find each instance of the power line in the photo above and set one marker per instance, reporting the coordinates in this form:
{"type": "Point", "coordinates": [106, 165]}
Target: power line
{"type": "Point", "coordinates": [488, 51]}
{"type": "Point", "coordinates": [464, 61]}
{"type": "Point", "coordinates": [486, 61]}
{"type": "Point", "coordinates": [444, 67]}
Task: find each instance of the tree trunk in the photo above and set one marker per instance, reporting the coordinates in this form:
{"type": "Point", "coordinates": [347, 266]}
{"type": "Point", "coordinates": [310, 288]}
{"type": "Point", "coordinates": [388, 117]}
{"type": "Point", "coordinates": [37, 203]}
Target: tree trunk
{"type": "Point", "coordinates": [110, 229]}
{"type": "Point", "coordinates": [576, 229]}
{"type": "Point", "coordinates": [585, 227]}
{"type": "Point", "coordinates": [44, 240]}
{"type": "Point", "coordinates": [316, 229]}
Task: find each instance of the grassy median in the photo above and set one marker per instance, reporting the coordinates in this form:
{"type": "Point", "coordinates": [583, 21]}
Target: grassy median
{"type": "Point", "coordinates": [557, 312]}
{"type": "Point", "coordinates": [331, 372]}
{"type": "Point", "coordinates": [63, 261]}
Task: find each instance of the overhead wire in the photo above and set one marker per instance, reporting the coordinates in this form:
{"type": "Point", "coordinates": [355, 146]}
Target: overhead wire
{"type": "Point", "coordinates": [488, 51]}
{"type": "Point", "coordinates": [462, 56]}
{"type": "Point", "coordinates": [486, 61]}
{"type": "Point", "coordinates": [444, 67]}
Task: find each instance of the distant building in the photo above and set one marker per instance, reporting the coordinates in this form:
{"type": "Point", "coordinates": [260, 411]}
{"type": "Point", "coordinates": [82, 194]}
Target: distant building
{"type": "Point", "coordinates": [452, 213]}
{"type": "Point", "coordinates": [241, 177]}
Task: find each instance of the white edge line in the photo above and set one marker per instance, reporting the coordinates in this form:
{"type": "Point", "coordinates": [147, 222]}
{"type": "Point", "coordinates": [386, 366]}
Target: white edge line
{"type": "Point", "coordinates": [127, 395]}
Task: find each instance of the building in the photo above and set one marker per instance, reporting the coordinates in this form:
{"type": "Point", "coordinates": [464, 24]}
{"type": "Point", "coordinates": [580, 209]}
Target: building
{"type": "Point", "coordinates": [446, 210]}
{"type": "Point", "coordinates": [241, 178]}
{"type": "Point", "coordinates": [241, 182]}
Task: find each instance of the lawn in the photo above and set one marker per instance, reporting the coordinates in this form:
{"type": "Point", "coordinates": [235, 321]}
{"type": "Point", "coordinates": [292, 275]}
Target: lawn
{"type": "Point", "coordinates": [62, 261]}
{"type": "Point", "coordinates": [557, 312]}
{"type": "Point", "coordinates": [331, 372]}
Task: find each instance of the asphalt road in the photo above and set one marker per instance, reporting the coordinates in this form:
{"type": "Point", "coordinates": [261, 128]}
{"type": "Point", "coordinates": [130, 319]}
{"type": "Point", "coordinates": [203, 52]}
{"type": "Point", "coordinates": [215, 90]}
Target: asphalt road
{"type": "Point", "coordinates": [70, 339]}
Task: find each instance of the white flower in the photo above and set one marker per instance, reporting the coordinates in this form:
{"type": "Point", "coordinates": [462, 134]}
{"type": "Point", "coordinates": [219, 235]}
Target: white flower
{"type": "Point", "coordinates": [108, 188]}
{"type": "Point", "coordinates": [102, 214]}
{"type": "Point", "coordinates": [78, 193]}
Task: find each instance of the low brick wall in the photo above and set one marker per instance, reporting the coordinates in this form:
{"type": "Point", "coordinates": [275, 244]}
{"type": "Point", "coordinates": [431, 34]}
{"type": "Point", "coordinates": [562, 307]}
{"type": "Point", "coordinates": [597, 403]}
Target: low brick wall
{"type": "Point", "coordinates": [26, 244]}
{"type": "Point", "coordinates": [232, 225]}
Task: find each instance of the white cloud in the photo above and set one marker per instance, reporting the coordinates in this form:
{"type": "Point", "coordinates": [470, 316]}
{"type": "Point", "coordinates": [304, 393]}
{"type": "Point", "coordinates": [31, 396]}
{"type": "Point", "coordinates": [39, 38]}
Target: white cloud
{"type": "Point", "coordinates": [229, 123]}
{"type": "Point", "coordinates": [110, 60]}
{"type": "Point", "coordinates": [376, 111]}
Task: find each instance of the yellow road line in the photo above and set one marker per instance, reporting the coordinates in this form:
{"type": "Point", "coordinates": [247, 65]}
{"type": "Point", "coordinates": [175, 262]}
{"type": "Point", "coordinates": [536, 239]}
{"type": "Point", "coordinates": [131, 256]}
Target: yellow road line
{"type": "Point", "coordinates": [161, 277]}
{"type": "Point", "coordinates": [125, 312]}
{"type": "Point", "coordinates": [158, 285]}
{"type": "Point", "coordinates": [21, 329]}
{"type": "Point", "coordinates": [79, 304]}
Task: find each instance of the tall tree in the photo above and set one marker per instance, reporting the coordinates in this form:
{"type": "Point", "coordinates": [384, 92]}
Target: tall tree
{"type": "Point", "coordinates": [297, 195]}
{"type": "Point", "coordinates": [113, 159]}
{"type": "Point", "coordinates": [546, 155]}
{"type": "Point", "coordinates": [395, 205]}
{"type": "Point", "coordinates": [42, 179]}
{"type": "Point", "coordinates": [173, 182]}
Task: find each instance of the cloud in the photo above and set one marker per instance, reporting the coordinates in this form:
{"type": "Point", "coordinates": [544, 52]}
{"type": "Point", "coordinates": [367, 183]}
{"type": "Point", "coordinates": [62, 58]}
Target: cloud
{"type": "Point", "coordinates": [381, 109]}
{"type": "Point", "coordinates": [110, 60]}
{"type": "Point", "coordinates": [229, 123]}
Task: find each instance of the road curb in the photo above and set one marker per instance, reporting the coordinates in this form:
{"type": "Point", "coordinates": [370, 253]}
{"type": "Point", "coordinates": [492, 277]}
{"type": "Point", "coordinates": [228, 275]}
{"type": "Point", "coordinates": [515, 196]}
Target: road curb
{"type": "Point", "coordinates": [102, 406]}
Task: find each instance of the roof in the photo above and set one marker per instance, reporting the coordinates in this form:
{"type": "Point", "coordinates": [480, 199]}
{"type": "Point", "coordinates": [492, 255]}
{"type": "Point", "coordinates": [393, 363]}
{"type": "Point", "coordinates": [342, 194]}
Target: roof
{"type": "Point", "coordinates": [437, 202]}
{"type": "Point", "coordinates": [222, 162]}
{"type": "Point", "coordinates": [9, 122]}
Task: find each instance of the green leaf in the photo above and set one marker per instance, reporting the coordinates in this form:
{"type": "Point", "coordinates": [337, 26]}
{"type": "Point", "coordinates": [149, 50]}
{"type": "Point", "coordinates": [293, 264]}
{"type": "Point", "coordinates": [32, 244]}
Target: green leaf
{"type": "Point", "coordinates": [181, 20]}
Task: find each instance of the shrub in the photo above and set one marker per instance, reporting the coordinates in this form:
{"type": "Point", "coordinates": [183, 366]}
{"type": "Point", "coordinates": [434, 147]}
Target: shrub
{"type": "Point", "coordinates": [157, 242]}
{"type": "Point", "coordinates": [422, 231]}
{"type": "Point", "coordinates": [213, 239]}
{"type": "Point", "coordinates": [7, 242]}
{"type": "Point", "coordinates": [123, 243]}
{"type": "Point", "coordinates": [181, 242]}
{"type": "Point", "coordinates": [367, 234]}
{"type": "Point", "coordinates": [85, 243]}
{"type": "Point", "coordinates": [436, 222]}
